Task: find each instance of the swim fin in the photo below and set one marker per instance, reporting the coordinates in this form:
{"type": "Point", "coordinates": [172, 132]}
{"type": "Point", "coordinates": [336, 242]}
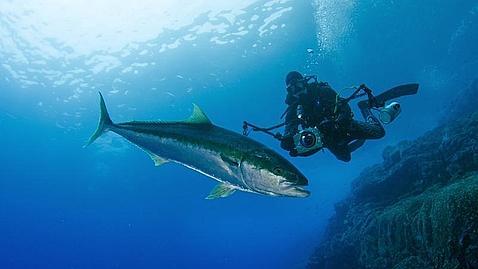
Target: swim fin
{"type": "Point", "coordinates": [399, 91]}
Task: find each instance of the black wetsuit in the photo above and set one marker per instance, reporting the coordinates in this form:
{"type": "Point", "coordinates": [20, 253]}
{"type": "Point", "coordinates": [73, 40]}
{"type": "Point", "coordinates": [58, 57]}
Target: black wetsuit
{"type": "Point", "coordinates": [322, 108]}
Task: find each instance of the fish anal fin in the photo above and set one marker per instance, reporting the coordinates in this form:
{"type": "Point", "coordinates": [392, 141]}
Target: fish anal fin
{"type": "Point", "coordinates": [198, 116]}
{"type": "Point", "coordinates": [221, 190]}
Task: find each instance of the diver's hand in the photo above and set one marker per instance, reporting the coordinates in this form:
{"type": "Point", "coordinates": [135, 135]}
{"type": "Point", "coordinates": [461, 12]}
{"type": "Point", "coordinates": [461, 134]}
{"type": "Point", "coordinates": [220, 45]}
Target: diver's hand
{"type": "Point", "coordinates": [287, 142]}
{"type": "Point", "coordinates": [365, 88]}
{"type": "Point", "coordinates": [294, 153]}
{"type": "Point", "coordinates": [372, 101]}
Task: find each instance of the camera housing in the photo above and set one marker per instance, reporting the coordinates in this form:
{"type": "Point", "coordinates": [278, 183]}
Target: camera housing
{"type": "Point", "coordinates": [307, 140]}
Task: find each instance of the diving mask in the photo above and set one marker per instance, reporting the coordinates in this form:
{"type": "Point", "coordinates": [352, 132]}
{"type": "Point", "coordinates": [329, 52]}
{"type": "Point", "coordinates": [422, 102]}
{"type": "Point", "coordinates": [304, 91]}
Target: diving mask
{"type": "Point", "coordinates": [297, 88]}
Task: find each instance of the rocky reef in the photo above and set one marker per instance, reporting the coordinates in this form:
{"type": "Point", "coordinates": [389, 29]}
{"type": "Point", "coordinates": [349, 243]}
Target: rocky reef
{"type": "Point", "coordinates": [417, 209]}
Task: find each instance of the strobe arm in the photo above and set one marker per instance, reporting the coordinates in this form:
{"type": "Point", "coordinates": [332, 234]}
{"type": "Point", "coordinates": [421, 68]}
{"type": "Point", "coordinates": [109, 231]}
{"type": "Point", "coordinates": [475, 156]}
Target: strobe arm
{"type": "Point", "coordinates": [246, 131]}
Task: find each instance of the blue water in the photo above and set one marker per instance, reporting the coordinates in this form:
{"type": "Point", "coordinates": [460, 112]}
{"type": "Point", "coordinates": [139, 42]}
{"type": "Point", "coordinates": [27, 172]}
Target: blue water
{"type": "Point", "coordinates": [108, 206]}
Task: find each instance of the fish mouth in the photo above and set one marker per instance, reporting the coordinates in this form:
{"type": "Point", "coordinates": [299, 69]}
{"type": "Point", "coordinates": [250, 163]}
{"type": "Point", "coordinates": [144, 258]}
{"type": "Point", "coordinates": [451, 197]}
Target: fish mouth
{"type": "Point", "coordinates": [297, 192]}
{"type": "Point", "coordinates": [294, 189]}
{"type": "Point", "coordinates": [300, 192]}
{"type": "Point", "coordinates": [299, 181]}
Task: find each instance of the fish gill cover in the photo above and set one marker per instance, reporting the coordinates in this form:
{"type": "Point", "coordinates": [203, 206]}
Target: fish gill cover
{"type": "Point", "coordinates": [108, 207]}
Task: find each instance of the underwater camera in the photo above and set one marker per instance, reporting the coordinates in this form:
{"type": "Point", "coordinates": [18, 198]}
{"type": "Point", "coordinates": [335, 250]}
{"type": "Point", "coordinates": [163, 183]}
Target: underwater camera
{"type": "Point", "coordinates": [309, 139]}
{"type": "Point", "coordinates": [389, 112]}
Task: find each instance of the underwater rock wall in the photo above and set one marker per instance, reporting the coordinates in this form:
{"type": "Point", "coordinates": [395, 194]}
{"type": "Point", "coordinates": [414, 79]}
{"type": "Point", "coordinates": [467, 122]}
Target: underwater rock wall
{"type": "Point", "coordinates": [466, 102]}
{"type": "Point", "coordinates": [418, 209]}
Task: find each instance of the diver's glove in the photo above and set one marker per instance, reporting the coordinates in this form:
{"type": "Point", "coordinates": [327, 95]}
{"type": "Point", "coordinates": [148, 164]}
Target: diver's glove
{"type": "Point", "coordinates": [294, 153]}
{"type": "Point", "coordinates": [372, 101]}
{"type": "Point", "coordinates": [287, 142]}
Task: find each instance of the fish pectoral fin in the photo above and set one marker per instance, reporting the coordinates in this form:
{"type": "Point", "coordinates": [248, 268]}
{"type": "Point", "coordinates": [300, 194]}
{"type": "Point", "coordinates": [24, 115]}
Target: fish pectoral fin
{"type": "Point", "coordinates": [221, 190]}
{"type": "Point", "coordinates": [230, 161]}
{"type": "Point", "coordinates": [156, 159]}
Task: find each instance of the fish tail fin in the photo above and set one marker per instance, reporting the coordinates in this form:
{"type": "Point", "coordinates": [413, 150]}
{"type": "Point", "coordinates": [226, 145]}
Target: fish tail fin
{"type": "Point", "coordinates": [104, 124]}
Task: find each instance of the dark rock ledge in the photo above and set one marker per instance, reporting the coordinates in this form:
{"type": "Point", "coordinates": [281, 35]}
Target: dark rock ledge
{"type": "Point", "coordinates": [418, 209]}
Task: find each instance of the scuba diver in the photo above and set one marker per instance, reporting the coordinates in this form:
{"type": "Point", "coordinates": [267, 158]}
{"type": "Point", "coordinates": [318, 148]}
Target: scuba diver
{"type": "Point", "coordinates": [326, 119]}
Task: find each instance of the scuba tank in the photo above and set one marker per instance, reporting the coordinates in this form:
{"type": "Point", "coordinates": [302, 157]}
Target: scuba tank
{"type": "Point", "coordinates": [389, 112]}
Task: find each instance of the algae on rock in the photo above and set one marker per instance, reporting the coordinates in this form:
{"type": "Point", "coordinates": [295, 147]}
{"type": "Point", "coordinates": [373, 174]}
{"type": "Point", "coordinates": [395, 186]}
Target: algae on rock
{"type": "Point", "coordinates": [418, 209]}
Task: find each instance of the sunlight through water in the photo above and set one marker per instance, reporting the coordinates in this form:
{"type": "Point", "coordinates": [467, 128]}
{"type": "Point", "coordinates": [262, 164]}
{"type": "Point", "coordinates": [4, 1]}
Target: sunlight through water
{"type": "Point", "coordinates": [49, 42]}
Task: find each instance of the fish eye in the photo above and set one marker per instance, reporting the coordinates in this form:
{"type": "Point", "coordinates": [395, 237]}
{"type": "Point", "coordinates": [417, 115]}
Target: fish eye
{"type": "Point", "coordinates": [277, 171]}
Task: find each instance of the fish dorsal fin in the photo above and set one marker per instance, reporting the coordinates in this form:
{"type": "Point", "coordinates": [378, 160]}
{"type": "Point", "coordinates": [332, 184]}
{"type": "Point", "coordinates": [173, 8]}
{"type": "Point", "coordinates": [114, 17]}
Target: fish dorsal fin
{"type": "Point", "coordinates": [221, 190]}
{"type": "Point", "coordinates": [198, 117]}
